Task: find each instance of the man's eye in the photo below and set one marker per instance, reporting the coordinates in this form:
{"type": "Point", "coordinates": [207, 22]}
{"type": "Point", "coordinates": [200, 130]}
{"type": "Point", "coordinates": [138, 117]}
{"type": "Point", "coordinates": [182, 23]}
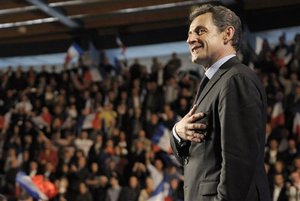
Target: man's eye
{"type": "Point", "coordinates": [200, 31]}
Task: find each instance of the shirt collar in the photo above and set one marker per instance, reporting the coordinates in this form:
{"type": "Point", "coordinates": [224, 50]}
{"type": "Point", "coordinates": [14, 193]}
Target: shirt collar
{"type": "Point", "coordinates": [209, 73]}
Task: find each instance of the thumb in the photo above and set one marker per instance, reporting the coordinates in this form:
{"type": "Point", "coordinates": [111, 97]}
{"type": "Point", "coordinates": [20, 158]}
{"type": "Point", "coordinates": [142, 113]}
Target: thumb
{"type": "Point", "coordinates": [192, 111]}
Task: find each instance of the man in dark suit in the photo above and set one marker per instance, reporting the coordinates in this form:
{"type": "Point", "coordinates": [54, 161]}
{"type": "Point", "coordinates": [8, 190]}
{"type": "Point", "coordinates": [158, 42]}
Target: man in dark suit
{"type": "Point", "coordinates": [278, 188]}
{"type": "Point", "coordinates": [220, 142]}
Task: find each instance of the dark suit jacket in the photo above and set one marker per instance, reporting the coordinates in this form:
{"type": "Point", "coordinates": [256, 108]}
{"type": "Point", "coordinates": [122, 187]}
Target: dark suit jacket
{"type": "Point", "coordinates": [229, 164]}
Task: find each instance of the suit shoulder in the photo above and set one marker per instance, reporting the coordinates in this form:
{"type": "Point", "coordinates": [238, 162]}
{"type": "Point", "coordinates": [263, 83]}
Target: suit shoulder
{"type": "Point", "coordinates": [241, 70]}
{"type": "Point", "coordinates": [243, 76]}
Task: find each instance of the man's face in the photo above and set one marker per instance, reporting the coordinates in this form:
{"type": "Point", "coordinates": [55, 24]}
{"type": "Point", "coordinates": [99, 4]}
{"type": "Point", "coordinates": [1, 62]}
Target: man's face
{"type": "Point", "coordinates": [206, 42]}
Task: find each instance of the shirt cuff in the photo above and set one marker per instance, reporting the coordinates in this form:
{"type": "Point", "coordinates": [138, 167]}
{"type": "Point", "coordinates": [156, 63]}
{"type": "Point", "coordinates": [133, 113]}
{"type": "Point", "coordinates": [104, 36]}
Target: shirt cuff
{"type": "Point", "coordinates": [175, 135]}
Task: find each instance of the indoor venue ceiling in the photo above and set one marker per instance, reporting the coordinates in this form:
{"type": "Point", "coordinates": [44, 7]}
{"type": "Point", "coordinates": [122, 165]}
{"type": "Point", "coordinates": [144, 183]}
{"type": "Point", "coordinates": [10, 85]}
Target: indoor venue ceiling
{"type": "Point", "coordinates": [48, 26]}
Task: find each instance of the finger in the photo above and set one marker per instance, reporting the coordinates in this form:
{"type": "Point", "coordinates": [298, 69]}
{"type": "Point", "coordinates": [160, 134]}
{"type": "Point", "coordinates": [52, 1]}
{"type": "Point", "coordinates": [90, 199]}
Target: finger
{"type": "Point", "coordinates": [189, 137]}
{"type": "Point", "coordinates": [196, 117]}
{"type": "Point", "coordinates": [190, 133]}
{"type": "Point", "coordinates": [192, 111]}
{"type": "Point", "coordinates": [196, 126]}
{"type": "Point", "coordinates": [198, 138]}
{"type": "Point", "coordinates": [195, 134]}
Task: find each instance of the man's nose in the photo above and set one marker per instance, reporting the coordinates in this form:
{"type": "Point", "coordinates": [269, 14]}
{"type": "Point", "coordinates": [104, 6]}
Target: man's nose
{"type": "Point", "coordinates": [190, 39]}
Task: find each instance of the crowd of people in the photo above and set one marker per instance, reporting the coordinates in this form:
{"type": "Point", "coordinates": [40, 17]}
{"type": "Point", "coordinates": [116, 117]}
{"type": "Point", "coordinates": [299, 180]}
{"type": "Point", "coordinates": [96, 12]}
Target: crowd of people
{"type": "Point", "coordinates": [97, 140]}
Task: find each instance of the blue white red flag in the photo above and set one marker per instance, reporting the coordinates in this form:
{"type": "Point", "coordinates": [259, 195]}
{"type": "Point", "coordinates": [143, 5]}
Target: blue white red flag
{"type": "Point", "coordinates": [26, 183]}
{"type": "Point", "coordinates": [277, 116]}
{"type": "Point", "coordinates": [161, 139]}
{"type": "Point", "coordinates": [296, 126]}
{"type": "Point", "coordinates": [160, 193]}
{"type": "Point", "coordinates": [120, 44]}
{"type": "Point", "coordinates": [73, 54]}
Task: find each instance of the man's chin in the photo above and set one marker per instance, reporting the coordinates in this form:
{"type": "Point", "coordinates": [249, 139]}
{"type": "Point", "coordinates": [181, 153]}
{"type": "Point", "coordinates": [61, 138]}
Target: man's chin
{"type": "Point", "coordinates": [201, 62]}
{"type": "Point", "coordinates": [197, 60]}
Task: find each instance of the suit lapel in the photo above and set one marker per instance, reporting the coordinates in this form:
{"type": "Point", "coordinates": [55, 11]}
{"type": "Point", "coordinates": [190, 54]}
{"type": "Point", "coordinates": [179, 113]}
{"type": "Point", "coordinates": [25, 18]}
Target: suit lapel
{"type": "Point", "coordinates": [223, 69]}
{"type": "Point", "coordinates": [199, 90]}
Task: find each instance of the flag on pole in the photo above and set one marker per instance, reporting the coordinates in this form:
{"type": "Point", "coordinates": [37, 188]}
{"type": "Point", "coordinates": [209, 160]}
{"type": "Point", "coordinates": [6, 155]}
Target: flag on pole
{"type": "Point", "coordinates": [89, 121]}
{"type": "Point", "coordinates": [27, 184]}
{"type": "Point", "coordinates": [161, 139]}
{"type": "Point", "coordinates": [161, 192]}
{"type": "Point", "coordinates": [160, 184]}
{"type": "Point", "coordinates": [92, 74]}
{"type": "Point", "coordinates": [296, 123]}
{"type": "Point", "coordinates": [73, 54]}
{"type": "Point", "coordinates": [47, 187]}
{"type": "Point", "coordinates": [277, 117]}
{"type": "Point", "coordinates": [120, 44]}
{"type": "Point", "coordinates": [40, 122]}
{"type": "Point", "coordinates": [94, 54]}
{"type": "Point", "coordinates": [296, 126]}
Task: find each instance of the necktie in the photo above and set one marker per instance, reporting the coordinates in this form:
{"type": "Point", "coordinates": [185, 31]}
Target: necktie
{"type": "Point", "coordinates": [203, 82]}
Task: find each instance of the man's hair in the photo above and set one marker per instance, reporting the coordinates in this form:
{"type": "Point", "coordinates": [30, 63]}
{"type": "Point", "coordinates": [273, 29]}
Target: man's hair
{"type": "Point", "coordinates": [222, 18]}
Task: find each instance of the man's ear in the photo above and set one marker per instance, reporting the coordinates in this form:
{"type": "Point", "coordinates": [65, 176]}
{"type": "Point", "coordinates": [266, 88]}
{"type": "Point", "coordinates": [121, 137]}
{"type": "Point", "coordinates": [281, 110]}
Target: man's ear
{"type": "Point", "coordinates": [228, 34]}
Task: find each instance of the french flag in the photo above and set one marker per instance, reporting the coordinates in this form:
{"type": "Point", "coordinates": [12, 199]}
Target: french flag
{"type": "Point", "coordinates": [89, 121]}
{"type": "Point", "coordinates": [277, 117]}
{"type": "Point", "coordinates": [41, 122]}
{"type": "Point", "coordinates": [94, 54]}
{"type": "Point", "coordinates": [120, 44]}
{"type": "Point", "coordinates": [92, 75]}
{"type": "Point", "coordinates": [27, 184]}
{"type": "Point", "coordinates": [73, 53]}
{"type": "Point", "coordinates": [296, 126]}
{"type": "Point", "coordinates": [161, 139]}
{"type": "Point", "coordinates": [160, 193]}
